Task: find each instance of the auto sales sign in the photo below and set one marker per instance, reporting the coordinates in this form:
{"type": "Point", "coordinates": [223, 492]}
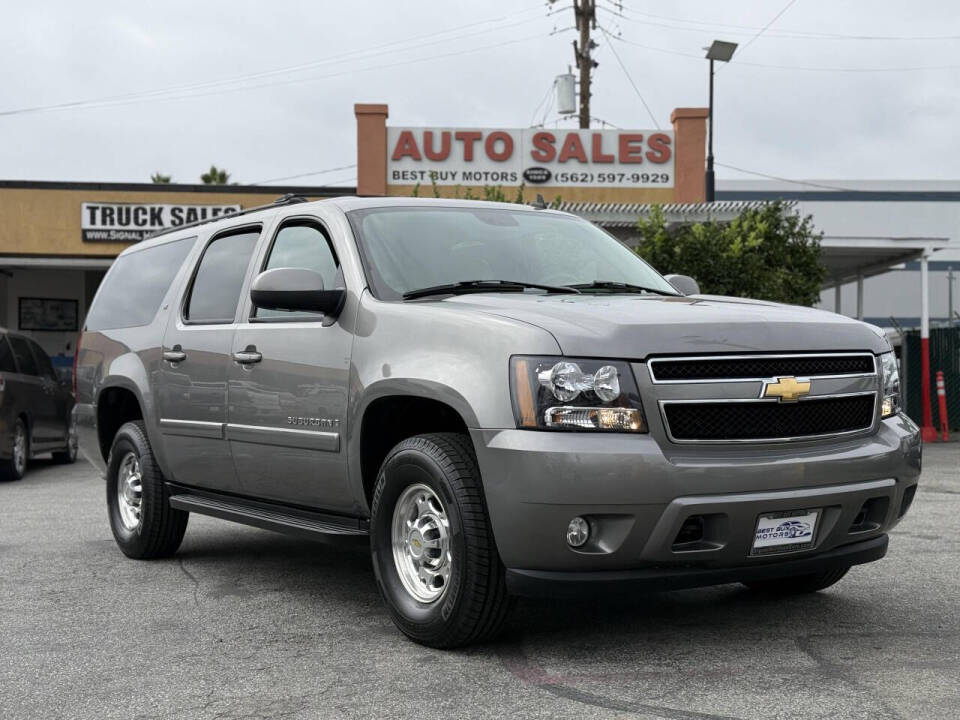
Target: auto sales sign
{"type": "Point", "coordinates": [532, 156]}
{"type": "Point", "coordinates": [132, 222]}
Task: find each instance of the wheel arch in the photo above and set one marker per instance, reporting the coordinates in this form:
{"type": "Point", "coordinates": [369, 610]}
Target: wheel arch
{"type": "Point", "coordinates": [392, 412]}
{"type": "Point", "coordinates": [117, 403]}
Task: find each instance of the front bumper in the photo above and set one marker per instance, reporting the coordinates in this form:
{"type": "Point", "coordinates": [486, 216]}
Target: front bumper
{"type": "Point", "coordinates": [637, 495]}
{"type": "Point", "coordinates": [546, 583]}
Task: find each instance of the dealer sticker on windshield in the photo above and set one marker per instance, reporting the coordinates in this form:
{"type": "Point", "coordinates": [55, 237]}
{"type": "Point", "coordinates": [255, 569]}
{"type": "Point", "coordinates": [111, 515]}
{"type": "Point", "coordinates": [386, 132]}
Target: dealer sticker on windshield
{"type": "Point", "coordinates": [785, 531]}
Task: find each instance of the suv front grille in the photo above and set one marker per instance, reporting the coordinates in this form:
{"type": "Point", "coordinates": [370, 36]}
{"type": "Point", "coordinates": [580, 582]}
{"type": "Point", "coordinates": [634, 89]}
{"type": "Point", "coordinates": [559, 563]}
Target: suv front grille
{"type": "Point", "coordinates": [757, 421]}
{"type": "Point", "coordinates": [758, 367]}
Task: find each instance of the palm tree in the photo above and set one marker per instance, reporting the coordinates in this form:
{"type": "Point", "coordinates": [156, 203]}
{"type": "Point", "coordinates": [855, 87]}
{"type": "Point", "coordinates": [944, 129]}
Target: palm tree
{"type": "Point", "coordinates": [160, 179]}
{"type": "Point", "coordinates": [215, 176]}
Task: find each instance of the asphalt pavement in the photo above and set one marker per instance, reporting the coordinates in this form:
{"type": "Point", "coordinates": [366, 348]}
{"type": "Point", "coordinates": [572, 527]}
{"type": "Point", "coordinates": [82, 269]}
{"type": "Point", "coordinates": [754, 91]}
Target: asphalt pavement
{"type": "Point", "coordinates": [244, 623]}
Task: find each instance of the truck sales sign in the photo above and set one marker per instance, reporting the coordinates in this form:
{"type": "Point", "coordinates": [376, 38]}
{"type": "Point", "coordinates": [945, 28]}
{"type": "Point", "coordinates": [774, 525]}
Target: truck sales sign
{"type": "Point", "coordinates": [533, 156]}
{"type": "Point", "coordinates": [132, 222]}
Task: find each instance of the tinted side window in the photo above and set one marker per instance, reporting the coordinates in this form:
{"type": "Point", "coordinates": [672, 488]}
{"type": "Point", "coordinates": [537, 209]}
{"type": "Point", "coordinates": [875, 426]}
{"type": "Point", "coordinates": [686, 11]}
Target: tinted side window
{"type": "Point", "coordinates": [6, 356]}
{"type": "Point", "coordinates": [216, 286]}
{"type": "Point", "coordinates": [43, 361]}
{"type": "Point", "coordinates": [133, 289]}
{"type": "Point", "coordinates": [21, 350]}
{"type": "Point", "coordinates": [302, 246]}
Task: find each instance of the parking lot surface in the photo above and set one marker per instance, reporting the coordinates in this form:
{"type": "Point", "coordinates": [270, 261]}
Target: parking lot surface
{"type": "Point", "coordinates": [245, 623]}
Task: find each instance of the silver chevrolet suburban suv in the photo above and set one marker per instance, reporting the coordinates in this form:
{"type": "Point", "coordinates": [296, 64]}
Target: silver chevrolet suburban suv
{"type": "Point", "coordinates": [501, 400]}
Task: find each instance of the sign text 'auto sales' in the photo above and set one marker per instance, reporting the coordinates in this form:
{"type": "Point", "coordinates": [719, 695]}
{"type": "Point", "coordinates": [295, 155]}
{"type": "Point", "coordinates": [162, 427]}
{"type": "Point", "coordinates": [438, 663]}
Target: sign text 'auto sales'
{"type": "Point", "coordinates": [532, 156]}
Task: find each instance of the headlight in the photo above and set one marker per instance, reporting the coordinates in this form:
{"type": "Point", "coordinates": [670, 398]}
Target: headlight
{"type": "Point", "coordinates": [890, 376]}
{"type": "Point", "coordinates": [552, 393]}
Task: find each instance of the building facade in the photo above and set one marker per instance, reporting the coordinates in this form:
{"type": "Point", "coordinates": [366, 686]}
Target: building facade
{"type": "Point", "coordinates": [58, 239]}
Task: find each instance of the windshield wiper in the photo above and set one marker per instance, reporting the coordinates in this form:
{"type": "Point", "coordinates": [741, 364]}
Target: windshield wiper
{"type": "Point", "coordinates": [621, 287]}
{"type": "Point", "coordinates": [471, 286]}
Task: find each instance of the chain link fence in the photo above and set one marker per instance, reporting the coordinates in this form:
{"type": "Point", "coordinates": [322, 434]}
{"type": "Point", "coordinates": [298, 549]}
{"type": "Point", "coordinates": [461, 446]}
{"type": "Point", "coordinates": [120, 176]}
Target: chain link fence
{"type": "Point", "coordinates": [945, 356]}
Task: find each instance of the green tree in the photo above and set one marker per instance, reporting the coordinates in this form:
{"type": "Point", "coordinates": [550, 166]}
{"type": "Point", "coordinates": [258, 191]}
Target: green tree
{"type": "Point", "coordinates": [161, 179]}
{"type": "Point", "coordinates": [768, 253]}
{"type": "Point", "coordinates": [215, 176]}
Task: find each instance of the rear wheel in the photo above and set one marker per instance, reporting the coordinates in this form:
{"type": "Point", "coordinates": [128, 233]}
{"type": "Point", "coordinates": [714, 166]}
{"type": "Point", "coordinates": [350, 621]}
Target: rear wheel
{"type": "Point", "coordinates": [433, 551]}
{"type": "Point", "coordinates": [143, 523]}
{"type": "Point", "coordinates": [16, 466]}
{"type": "Point", "coordinates": [799, 584]}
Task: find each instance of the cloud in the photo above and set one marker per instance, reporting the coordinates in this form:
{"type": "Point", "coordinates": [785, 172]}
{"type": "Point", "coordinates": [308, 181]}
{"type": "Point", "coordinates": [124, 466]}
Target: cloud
{"type": "Point", "coordinates": [791, 123]}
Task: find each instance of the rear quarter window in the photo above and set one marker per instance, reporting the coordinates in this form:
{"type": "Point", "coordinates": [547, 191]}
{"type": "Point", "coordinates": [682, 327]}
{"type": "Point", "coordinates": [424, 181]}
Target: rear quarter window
{"type": "Point", "coordinates": [25, 360]}
{"type": "Point", "coordinates": [131, 293]}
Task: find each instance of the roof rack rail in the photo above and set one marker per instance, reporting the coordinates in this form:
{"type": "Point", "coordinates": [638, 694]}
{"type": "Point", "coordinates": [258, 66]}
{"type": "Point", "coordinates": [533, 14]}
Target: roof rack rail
{"type": "Point", "coordinates": [288, 199]}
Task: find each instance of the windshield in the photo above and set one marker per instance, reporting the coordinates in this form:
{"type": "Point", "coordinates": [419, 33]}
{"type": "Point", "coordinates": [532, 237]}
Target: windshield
{"type": "Point", "coordinates": [407, 248]}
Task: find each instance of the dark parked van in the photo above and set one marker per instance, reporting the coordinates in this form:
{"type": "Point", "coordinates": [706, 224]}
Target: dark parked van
{"type": "Point", "coordinates": [35, 407]}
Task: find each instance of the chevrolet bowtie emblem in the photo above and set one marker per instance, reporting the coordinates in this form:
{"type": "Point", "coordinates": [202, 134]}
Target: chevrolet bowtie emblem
{"type": "Point", "coordinates": [788, 389]}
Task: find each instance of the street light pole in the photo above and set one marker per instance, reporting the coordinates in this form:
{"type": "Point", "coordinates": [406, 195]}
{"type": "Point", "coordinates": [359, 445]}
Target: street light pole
{"type": "Point", "coordinates": [722, 51]}
{"type": "Point", "coordinates": [710, 182]}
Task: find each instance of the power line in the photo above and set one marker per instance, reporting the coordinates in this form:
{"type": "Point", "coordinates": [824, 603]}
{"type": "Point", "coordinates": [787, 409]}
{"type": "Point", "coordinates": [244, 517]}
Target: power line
{"type": "Point", "coordinates": [784, 33]}
{"type": "Point", "coordinates": [760, 32]}
{"type": "Point", "coordinates": [805, 68]}
{"type": "Point", "coordinates": [363, 54]}
{"type": "Point", "coordinates": [303, 175]}
{"type": "Point", "coordinates": [342, 180]}
{"type": "Point", "coordinates": [540, 104]}
{"type": "Point", "coordinates": [627, 73]}
{"type": "Point", "coordinates": [309, 78]}
{"type": "Point", "coordinates": [786, 180]}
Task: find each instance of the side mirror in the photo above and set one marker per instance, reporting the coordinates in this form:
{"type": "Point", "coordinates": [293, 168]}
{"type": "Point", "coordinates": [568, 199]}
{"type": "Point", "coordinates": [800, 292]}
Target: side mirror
{"type": "Point", "coordinates": [295, 289]}
{"type": "Point", "coordinates": [683, 284]}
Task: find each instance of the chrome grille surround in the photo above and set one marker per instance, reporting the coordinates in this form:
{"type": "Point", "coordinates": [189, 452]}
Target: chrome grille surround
{"type": "Point", "coordinates": [745, 391]}
{"type": "Point", "coordinates": [760, 359]}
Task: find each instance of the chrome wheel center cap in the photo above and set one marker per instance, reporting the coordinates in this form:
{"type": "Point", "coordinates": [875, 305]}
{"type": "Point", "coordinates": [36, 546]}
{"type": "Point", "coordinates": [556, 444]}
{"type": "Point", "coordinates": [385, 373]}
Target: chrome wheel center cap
{"type": "Point", "coordinates": [415, 543]}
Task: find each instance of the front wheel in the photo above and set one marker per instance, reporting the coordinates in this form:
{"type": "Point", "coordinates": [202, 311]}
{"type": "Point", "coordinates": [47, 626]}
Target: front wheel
{"type": "Point", "coordinates": [143, 523]}
{"type": "Point", "coordinates": [799, 584]}
{"type": "Point", "coordinates": [433, 551]}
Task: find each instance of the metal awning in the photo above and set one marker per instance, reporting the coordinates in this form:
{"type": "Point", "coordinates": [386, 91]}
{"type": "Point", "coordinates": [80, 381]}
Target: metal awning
{"type": "Point", "coordinates": [848, 259]}
{"type": "Point", "coordinates": [625, 215]}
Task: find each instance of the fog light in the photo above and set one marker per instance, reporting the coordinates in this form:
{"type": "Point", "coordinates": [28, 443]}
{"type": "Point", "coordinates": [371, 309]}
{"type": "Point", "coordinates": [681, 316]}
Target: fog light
{"type": "Point", "coordinates": [578, 532]}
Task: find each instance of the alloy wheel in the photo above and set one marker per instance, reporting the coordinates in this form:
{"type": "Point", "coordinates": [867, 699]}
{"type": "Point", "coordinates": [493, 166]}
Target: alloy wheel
{"type": "Point", "coordinates": [421, 543]}
{"type": "Point", "coordinates": [130, 491]}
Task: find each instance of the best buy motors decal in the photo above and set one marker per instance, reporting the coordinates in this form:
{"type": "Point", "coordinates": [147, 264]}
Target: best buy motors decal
{"type": "Point", "coordinates": [132, 222]}
{"type": "Point", "coordinates": [532, 156]}
{"type": "Point", "coordinates": [785, 531]}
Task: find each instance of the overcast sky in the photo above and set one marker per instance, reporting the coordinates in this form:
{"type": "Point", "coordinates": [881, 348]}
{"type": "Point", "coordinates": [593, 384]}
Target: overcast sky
{"type": "Point", "coordinates": [295, 69]}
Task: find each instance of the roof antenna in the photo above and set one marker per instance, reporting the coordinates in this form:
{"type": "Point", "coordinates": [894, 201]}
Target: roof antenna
{"type": "Point", "coordinates": [539, 204]}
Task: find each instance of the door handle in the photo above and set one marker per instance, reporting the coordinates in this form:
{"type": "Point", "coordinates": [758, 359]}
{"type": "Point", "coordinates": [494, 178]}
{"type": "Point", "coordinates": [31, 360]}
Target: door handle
{"type": "Point", "coordinates": [174, 356]}
{"type": "Point", "coordinates": [248, 356]}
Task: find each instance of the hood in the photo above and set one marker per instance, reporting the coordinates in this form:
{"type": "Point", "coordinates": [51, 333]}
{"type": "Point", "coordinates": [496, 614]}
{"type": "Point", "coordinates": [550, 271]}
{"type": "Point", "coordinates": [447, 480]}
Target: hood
{"type": "Point", "coordinates": [636, 326]}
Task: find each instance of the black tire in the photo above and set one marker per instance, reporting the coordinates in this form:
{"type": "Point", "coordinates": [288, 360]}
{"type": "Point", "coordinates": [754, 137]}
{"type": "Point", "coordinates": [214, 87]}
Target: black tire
{"type": "Point", "coordinates": [69, 456]}
{"type": "Point", "coordinates": [474, 602]}
{"type": "Point", "coordinates": [799, 584]}
{"type": "Point", "coordinates": [14, 469]}
{"type": "Point", "coordinates": [161, 527]}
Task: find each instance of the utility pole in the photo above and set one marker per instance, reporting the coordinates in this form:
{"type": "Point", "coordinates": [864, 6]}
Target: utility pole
{"type": "Point", "coordinates": [710, 182]}
{"type": "Point", "coordinates": [586, 14]}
